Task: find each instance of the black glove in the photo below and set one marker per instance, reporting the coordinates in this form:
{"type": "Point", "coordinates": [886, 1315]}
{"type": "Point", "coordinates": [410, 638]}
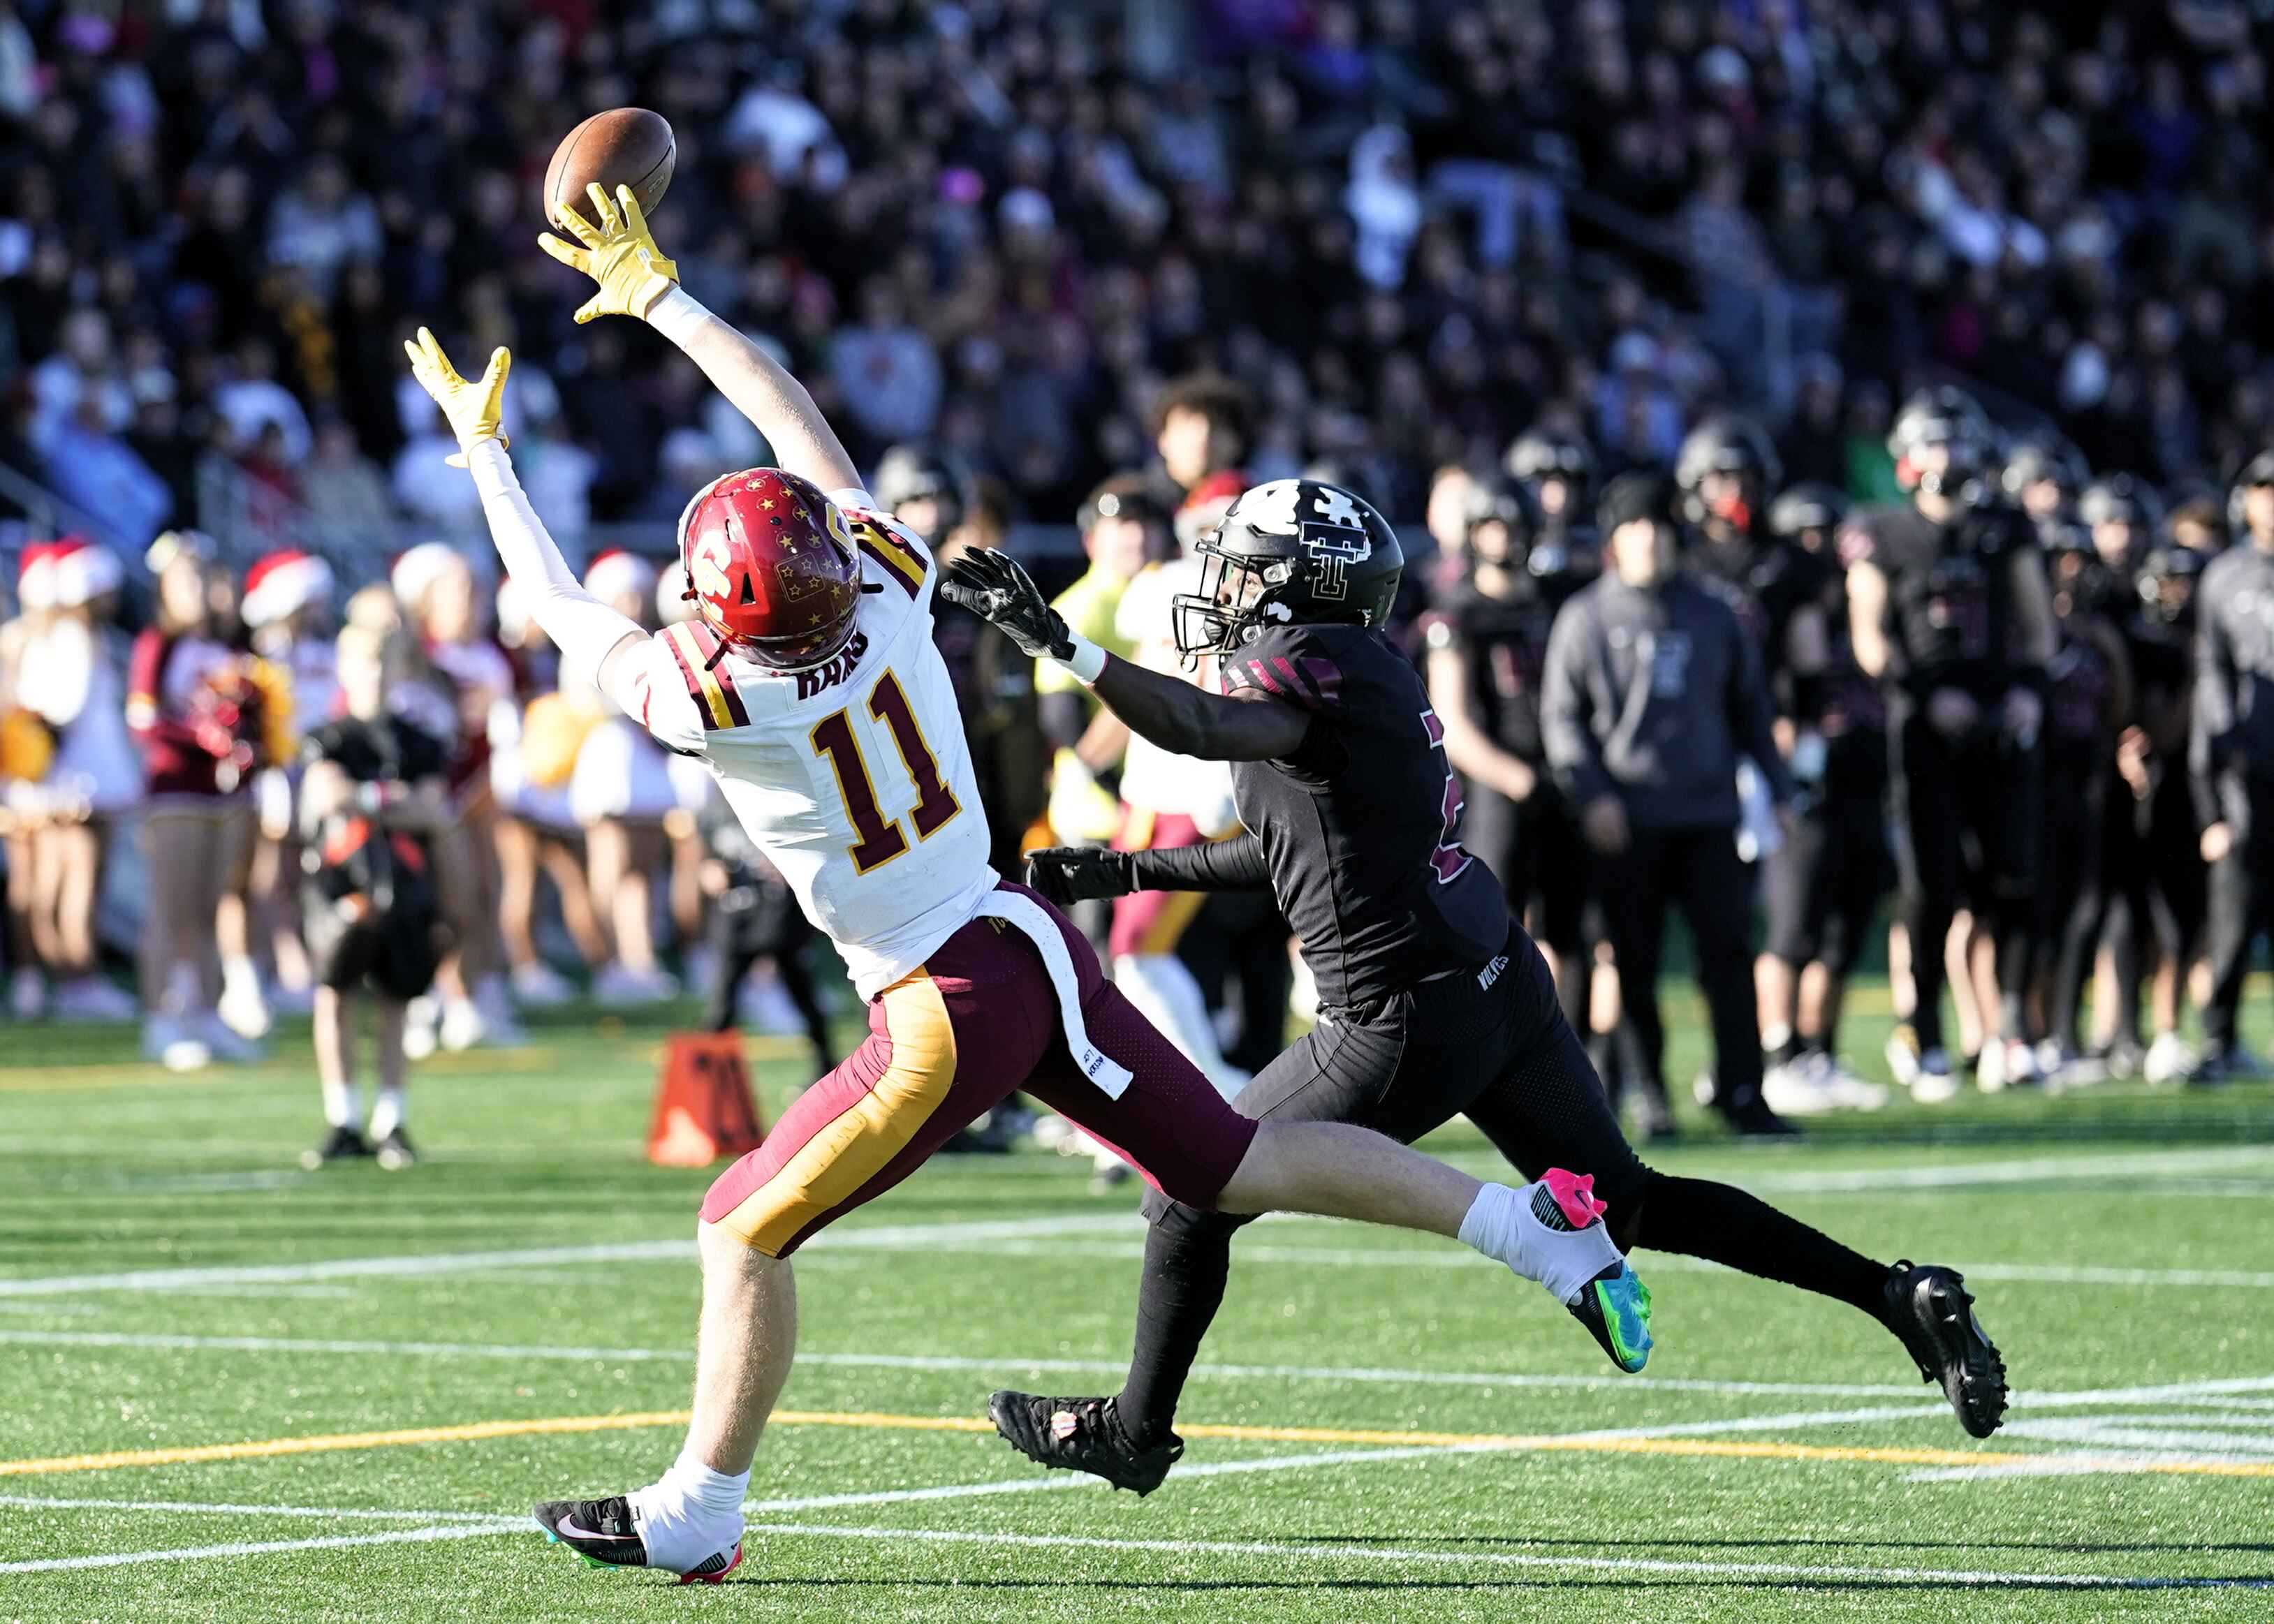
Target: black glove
{"type": "Point", "coordinates": [1068, 873]}
{"type": "Point", "coordinates": [993, 587]}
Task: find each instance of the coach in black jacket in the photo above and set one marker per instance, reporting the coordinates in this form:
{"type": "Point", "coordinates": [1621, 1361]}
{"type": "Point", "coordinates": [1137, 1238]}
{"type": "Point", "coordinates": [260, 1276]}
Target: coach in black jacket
{"type": "Point", "coordinates": [1652, 691]}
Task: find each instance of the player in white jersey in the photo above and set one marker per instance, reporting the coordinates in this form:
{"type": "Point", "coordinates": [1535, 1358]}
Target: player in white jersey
{"type": "Point", "coordinates": [808, 684]}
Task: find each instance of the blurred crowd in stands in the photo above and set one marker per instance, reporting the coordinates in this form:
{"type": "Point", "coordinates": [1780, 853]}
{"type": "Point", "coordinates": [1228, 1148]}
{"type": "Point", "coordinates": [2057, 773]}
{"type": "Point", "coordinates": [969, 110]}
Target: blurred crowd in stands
{"type": "Point", "coordinates": [1098, 263]}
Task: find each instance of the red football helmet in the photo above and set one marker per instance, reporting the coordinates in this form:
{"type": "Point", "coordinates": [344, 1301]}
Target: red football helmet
{"type": "Point", "coordinates": [770, 566]}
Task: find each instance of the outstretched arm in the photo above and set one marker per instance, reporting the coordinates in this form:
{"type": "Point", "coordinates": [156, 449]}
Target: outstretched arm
{"type": "Point", "coordinates": [1172, 713]}
{"type": "Point", "coordinates": [588, 633]}
{"type": "Point", "coordinates": [636, 280]}
{"type": "Point", "coordinates": [1245, 725]}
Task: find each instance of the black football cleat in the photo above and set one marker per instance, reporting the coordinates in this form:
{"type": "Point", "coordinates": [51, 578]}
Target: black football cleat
{"type": "Point", "coordinates": [1930, 1308]}
{"type": "Point", "coordinates": [603, 1533]}
{"type": "Point", "coordinates": [1081, 1434]}
{"type": "Point", "coordinates": [394, 1152]}
{"type": "Point", "coordinates": [340, 1145]}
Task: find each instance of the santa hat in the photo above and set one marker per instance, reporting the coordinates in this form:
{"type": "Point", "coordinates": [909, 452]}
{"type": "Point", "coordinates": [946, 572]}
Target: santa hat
{"type": "Point", "coordinates": [672, 602]}
{"type": "Point", "coordinates": [619, 573]}
{"type": "Point", "coordinates": [1204, 504]}
{"type": "Point", "coordinates": [85, 572]}
{"type": "Point", "coordinates": [281, 584]}
{"type": "Point", "coordinates": [35, 576]}
{"type": "Point", "coordinates": [418, 569]}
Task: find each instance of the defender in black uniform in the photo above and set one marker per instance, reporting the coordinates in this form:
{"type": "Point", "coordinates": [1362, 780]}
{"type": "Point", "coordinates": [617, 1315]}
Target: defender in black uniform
{"type": "Point", "coordinates": [1949, 611]}
{"type": "Point", "coordinates": [1434, 1002]}
{"type": "Point", "coordinates": [1488, 651]}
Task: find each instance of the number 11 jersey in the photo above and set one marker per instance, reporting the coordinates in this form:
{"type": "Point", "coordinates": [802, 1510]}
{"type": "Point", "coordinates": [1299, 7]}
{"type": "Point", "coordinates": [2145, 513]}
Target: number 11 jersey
{"type": "Point", "coordinates": [852, 776]}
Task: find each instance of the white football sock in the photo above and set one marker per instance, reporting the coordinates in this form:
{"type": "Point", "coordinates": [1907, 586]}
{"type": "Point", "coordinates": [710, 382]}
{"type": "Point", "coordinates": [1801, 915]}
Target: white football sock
{"type": "Point", "coordinates": [690, 1514]}
{"type": "Point", "coordinates": [387, 1116]}
{"type": "Point", "coordinates": [1501, 1224]}
{"type": "Point", "coordinates": [342, 1103]}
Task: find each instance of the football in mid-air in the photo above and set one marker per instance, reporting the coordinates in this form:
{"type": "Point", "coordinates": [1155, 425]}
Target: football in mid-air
{"type": "Point", "coordinates": [623, 147]}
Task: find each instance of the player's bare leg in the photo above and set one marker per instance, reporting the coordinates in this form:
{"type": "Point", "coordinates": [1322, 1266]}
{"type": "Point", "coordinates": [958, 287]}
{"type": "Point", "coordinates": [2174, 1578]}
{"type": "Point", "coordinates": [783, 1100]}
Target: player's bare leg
{"type": "Point", "coordinates": [690, 1520]}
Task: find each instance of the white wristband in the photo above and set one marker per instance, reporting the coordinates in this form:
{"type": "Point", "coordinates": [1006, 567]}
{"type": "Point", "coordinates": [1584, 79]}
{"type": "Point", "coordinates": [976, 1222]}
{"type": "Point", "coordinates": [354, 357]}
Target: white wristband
{"type": "Point", "coordinates": [676, 314]}
{"type": "Point", "coordinates": [1087, 660]}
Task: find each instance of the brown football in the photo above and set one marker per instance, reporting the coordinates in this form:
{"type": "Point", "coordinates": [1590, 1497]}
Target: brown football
{"type": "Point", "coordinates": [623, 147]}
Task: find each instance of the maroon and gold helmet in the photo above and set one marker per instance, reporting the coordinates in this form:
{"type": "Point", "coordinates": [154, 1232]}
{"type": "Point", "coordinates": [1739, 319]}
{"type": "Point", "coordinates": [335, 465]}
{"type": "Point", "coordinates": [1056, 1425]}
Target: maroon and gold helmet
{"type": "Point", "coordinates": [770, 566]}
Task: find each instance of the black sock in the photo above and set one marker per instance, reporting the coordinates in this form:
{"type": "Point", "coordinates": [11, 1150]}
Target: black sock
{"type": "Point", "coordinates": [1788, 1051]}
{"type": "Point", "coordinates": [1812, 1043]}
{"type": "Point", "coordinates": [1705, 1219]}
{"type": "Point", "coordinates": [1187, 1259]}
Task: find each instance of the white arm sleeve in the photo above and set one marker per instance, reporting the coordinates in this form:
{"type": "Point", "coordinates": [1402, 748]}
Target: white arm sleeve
{"type": "Point", "coordinates": [587, 631]}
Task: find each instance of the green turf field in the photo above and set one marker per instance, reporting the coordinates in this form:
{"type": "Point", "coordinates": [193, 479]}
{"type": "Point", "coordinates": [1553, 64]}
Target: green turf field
{"type": "Point", "coordinates": [235, 1391]}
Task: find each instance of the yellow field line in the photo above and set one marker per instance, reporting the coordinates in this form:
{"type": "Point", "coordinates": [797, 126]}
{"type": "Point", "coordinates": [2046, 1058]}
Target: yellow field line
{"type": "Point", "coordinates": [1511, 1442]}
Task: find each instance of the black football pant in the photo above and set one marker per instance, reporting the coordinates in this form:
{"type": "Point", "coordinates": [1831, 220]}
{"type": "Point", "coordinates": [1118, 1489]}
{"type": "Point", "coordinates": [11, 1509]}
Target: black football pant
{"type": "Point", "coordinates": [1965, 811]}
{"type": "Point", "coordinates": [755, 920]}
{"type": "Point", "coordinates": [2155, 886]}
{"type": "Point", "coordinates": [1698, 871]}
{"type": "Point", "coordinates": [1535, 848]}
{"type": "Point", "coordinates": [1239, 941]}
{"type": "Point", "coordinates": [2086, 807]}
{"type": "Point", "coordinates": [2241, 909]}
{"type": "Point", "coordinates": [1489, 1045]}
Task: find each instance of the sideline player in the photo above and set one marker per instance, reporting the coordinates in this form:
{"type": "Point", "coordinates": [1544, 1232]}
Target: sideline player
{"type": "Point", "coordinates": [809, 682]}
{"type": "Point", "coordinates": [1433, 1002]}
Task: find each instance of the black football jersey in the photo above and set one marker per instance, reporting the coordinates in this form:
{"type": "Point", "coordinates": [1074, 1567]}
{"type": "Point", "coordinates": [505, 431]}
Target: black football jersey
{"type": "Point", "coordinates": [1360, 826]}
{"type": "Point", "coordinates": [1951, 614]}
{"type": "Point", "coordinates": [1505, 642]}
{"type": "Point", "coordinates": [1774, 581]}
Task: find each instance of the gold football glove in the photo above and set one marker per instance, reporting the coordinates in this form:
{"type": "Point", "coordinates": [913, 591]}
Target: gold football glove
{"type": "Point", "coordinates": [618, 253]}
{"type": "Point", "coordinates": [475, 409]}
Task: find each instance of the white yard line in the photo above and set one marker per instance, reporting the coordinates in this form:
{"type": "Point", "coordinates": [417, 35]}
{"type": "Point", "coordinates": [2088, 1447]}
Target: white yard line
{"type": "Point", "coordinates": [1054, 1236]}
{"type": "Point", "coordinates": [2210, 1393]}
{"type": "Point", "coordinates": [263, 1547]}
{"type": "Point", "coordinates": [891, 1237]}
{"type": "Point", "coordinates": [1618, 1565]}
{"type": "Point", "coordinates": [228, 1509]}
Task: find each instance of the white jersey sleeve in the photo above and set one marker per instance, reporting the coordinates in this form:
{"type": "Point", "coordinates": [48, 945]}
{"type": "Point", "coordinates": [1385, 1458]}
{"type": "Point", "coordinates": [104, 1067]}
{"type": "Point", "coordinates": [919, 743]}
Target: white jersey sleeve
{"type": "Point", "coordinates": [649, 680]}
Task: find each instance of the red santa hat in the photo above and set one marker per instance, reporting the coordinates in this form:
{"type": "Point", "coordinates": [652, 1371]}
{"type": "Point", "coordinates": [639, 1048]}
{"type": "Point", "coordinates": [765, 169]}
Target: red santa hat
{"type": "Point", "coordinates": [84, 571]}
{"type": "Point", "coordinates": [282, 584]}
{"type": "Point", "coordinates": [1204, 504]}
{"type": "Point", "coordinates": [618, 573]}
{"type": "Point", "coordinates": [418, 569]}
{"type": "Point", "coordinates": [35, 576]}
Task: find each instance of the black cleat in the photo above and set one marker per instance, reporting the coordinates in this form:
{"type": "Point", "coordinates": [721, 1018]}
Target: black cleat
{"type": "Point", "coordinates": [340, 1145]}
{"type": "Point", "coordinates": [395, 1152]}
{"type": "Point", "coordinates": [1081, 1434]}
{"type": "Point", "coordinates": [603, 1533]}
{"type": "Point", "coordinates": [1930, 1308]}
{"type": "Point", "coordinates": [1755, 1120]}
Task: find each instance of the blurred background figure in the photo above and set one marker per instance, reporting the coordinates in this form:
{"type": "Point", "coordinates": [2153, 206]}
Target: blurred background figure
{"type": "Point", "coordinates": [620, 795]}
{"type": "Point", "coordinates": [461, 680]}
{"type": "Point", "coordinates": [1653, 690]}
{"type": "Point", "coordinates": [204, 731]}
{"type": "Point", "coordinates": [375, 788]}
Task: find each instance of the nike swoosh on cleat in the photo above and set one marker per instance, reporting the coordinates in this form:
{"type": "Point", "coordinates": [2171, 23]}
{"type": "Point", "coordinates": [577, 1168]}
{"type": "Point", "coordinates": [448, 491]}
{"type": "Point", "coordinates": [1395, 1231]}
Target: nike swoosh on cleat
{"type": "Point", "coordinates": [568, 1527]}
